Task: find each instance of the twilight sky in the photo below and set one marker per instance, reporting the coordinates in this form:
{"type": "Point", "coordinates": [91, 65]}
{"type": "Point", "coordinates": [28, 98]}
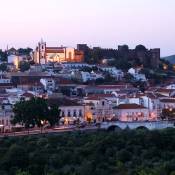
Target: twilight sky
{"type": "Point", "coordinates": [105, 23]}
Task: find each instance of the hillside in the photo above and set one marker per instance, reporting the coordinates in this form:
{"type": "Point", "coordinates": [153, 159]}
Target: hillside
{"type": "Point", "coordinates": [136, 152]}
{"type": "Point", "coordinates": [171, 59]}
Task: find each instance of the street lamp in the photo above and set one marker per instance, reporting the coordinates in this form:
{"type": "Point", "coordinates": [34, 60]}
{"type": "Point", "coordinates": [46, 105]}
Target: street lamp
{"type": "Point", "coordinates": [2, 126]}
{"type": "Point", "coordinates": [42, 123]}
{"type": "Point", "coordinates": [170, 109]}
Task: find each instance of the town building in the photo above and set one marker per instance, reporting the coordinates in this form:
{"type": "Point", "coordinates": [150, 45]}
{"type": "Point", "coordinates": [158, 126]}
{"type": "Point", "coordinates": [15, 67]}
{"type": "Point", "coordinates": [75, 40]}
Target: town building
{"type": "Point", "coordinates": [113, 71]}
{"type": "Point", "coordinates": [48, 83]}
{"type": "Point", "coordinates": [167, 103]}
{"type": "Point", "coordinates": [131, 112]}
{"type": "Point", "coordinates": [71, 112]}
{"type": "Point", "coordinates": [99, 107]}
{"type": "Point", "coordinates": [86, 76]}
{"type": "Point", "coordinates": [44, 54]}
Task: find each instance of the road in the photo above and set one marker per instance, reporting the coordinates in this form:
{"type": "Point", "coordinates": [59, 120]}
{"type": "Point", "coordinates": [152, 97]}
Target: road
{"type": "Point", "coordinates": [47, 131]}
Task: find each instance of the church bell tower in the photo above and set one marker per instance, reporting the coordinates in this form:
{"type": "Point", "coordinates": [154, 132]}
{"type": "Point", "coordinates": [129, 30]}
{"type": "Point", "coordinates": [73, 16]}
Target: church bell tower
{"type": "Point", "coordinates": [42, 52]}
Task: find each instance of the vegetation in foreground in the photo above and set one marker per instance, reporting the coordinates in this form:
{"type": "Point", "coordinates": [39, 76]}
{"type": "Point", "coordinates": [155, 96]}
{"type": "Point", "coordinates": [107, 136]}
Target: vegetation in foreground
{"type": "Point", "coordinates": [137, 152]}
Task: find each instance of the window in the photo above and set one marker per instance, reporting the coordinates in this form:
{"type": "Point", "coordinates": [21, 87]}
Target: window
{"type": "Point", "coordinates": [103, 103]}
{"type": "Point", "coordinates": [63, 114]}
{"type": "Point", "coordinates": [70, 55]}
{"type": "Point", "coordinates": [69, 115]}
{"type": "Point", "coordinates": [75, 113]}
{"type": "Point", "coordinates": [80, 113]}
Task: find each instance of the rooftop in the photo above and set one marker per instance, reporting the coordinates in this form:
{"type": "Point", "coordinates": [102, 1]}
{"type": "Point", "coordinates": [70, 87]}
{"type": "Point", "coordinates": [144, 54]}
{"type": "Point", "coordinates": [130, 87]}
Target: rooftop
{"type": "Point", "coordinates": [99, 96]}
{"type": "Point", "coordinates": [168, 100]}
{"type": "Point", "coordinates": [129, 106]}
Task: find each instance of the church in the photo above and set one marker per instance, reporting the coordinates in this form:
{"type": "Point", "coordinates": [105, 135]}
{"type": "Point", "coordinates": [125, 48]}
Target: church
{"type": "Point", "coordinates": [44, 54]}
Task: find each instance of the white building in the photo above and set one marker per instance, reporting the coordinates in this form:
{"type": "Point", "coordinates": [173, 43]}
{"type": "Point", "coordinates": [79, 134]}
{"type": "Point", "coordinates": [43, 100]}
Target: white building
{"type": "Point", "coordinates": [48, 83]}
{"type": "Point", "coordinates": [4, 80]}
{"type": "Point", "coordinates": [71, 113]}
{"type": "Point", "coordinates": [113, 71]}
{"type": "Point", "coordinates": [86, 76]}
{"type": "Point", "coordinates": [131, 112]}
{"type": "Point", "coordinates": [99, 108]}
{"type": "Point", "coordinates": [15, 60]}
{"type": "Point", "coordinates": [135, 73]}
{"type": "Point", "coordinates": [76, 65]}
{"type": "Point", "coordinates": [5, 121]}
{"type": "Point", "coordinates": [171, 86]}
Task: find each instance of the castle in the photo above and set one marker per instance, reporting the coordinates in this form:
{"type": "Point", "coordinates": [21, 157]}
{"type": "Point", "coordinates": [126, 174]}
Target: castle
{"type": "Point", "coordinates": [149, 58]}
{"type": "Point", "coordinates": [44, 54]}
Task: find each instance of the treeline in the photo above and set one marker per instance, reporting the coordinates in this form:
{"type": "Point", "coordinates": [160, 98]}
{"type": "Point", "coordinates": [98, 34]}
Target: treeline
{"type": "Point", "coordinates": [20, 51]}
{"type": "Point", "coordinates": [137, 152]}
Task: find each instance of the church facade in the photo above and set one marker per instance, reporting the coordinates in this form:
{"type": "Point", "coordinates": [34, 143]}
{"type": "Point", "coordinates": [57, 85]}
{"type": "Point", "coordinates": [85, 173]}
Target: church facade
{"type": "Point", "coordinates": [44, 54]}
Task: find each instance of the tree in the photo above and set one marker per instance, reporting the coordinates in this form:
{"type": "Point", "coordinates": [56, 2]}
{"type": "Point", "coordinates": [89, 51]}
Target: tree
{"type": "Point", "coordinates": [100, 81]}
{"type": "Point", "coordinates": [53, 115]}
{"type": "Point", "coordinates": [16, 157]}
{"type": "Point", "coordinates": [22, 173]}
{"type": "Point", "coordinates": [34, 113]}
{"type": "Point", "coordinates": [122, 63]}
{"type": "Point", "coordinates": [24, 51]}
{"type": "Point", "coordinates": [129, 78]}
{"type": "Point", "coordinates": [96, 55]}
{"type": "Point", "coordinates": [3, 67]}
{"type": "Point", "coordinates": [24, 66]}
{"type": "Point", "coordinates": [108, 78]}
{"type": "Point", "coordinates": [3, 55]}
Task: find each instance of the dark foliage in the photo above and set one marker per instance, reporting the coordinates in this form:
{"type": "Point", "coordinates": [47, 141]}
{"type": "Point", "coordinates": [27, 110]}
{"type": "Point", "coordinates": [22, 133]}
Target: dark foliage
{"type": "Point", "coordinates": [137, 152]}
{"type": "Point", "coordinates": [33, 112]}
{"type": "Point", "coordinates": [3, 67]}
{"type": "Point", "coordinates": [24, 51]}
{"type": "Point", "coordinates": [3, 55]}
{"type": "Point", "coordinates": [24, 66]}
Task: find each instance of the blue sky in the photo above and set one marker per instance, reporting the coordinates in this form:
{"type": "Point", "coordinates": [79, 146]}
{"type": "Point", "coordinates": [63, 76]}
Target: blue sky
{"type": "Point", "coordinates": [105, 23]}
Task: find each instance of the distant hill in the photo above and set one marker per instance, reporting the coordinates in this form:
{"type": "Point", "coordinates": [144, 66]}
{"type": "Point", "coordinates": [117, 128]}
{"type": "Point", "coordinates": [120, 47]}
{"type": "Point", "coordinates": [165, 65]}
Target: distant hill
{"type": "Point", "coordinates": [171, 59]}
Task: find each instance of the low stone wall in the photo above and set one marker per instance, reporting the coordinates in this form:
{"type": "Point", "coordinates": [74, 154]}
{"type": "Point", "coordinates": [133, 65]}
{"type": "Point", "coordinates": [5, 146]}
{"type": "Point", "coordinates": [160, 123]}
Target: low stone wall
{"type": "Point", "coordinates": [134, 125]}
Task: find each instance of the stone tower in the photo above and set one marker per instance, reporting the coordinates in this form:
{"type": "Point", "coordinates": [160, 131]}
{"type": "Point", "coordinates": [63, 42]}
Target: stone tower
{"type": "Point", "coordinates": [42, 52]}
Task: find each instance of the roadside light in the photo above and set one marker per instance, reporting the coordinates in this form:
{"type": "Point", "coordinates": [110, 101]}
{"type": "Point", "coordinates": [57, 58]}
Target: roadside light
{"type": "Point", "coordinates": [42, 122]}
{"type": "Point", "coordinates": [66, 121]}
{"type": "Point", "coordinates": [170, 109]}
